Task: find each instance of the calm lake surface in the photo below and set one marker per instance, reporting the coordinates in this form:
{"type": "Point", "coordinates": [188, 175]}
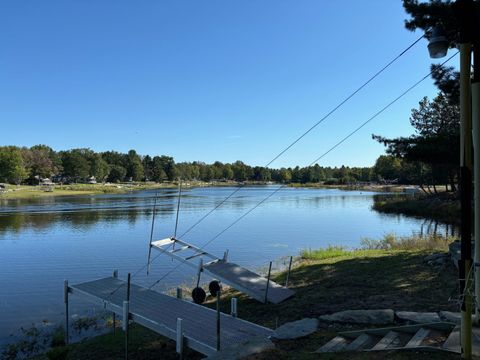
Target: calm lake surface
{"type": "Point", "coordinates": [44, 241]}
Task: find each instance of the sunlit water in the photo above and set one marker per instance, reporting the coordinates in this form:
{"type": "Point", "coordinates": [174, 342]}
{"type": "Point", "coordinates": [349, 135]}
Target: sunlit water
{"type": "Point", "coordinates": [44, 241]}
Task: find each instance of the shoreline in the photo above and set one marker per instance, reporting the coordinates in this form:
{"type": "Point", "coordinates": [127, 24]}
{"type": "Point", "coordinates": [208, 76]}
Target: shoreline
{"type": "Point", "coordinates": [440, 207]}
{"type": "Point", "coordinates": [20, 192]}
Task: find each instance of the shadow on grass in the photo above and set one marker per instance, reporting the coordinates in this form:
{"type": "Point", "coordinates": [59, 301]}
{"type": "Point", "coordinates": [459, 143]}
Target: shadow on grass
{"type": "Point", "coordinates": [398, 280]}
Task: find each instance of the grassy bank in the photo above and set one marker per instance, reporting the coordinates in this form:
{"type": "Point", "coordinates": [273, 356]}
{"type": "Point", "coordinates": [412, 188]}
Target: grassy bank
{"type": "Point", "coordinates": [363, 187]}
{"type": "Point", "coordinates": [384, 274]}
{"type": "Point", "coordinates": [28, 192]}
{"type": "Point", "coordinates": [442, 207]}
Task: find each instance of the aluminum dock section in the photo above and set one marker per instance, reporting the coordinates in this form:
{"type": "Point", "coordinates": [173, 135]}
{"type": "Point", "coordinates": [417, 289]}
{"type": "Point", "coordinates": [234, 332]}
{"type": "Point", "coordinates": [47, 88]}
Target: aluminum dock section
{"type": "Point", "coordinates": [236, 276]}
{"type": "Point", "coordinates": [159, 312]}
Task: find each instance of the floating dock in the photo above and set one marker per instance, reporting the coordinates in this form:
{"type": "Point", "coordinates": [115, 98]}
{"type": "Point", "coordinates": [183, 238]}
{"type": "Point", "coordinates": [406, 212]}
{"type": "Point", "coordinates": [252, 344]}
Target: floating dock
{"type": "Point", "coordinates": [160, 313]}
{"type": "Point", "coordinates": [250, 283]}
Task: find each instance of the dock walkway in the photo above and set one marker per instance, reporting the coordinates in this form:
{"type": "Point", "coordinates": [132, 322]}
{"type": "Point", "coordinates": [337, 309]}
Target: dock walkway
{"type": "Point", "coordinates": [159, 312]}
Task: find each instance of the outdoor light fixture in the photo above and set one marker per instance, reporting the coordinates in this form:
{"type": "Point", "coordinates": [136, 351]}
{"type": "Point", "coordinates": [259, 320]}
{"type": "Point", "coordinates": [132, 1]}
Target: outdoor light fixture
{"type": "Point", "coordinates": [438, 42]}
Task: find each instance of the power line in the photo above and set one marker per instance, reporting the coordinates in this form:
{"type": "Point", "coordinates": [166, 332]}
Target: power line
{"type": "Point", "coordinates": [305, 133]}
{"type": "Point", "coordinates": [337, 144]}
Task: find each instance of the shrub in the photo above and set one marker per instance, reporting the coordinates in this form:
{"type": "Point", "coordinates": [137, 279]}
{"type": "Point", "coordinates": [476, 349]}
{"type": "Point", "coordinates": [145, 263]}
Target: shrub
{"type": "Point", "coordinates": [413, 242]}
{"type": "Point", "coordinates": [327, 253]}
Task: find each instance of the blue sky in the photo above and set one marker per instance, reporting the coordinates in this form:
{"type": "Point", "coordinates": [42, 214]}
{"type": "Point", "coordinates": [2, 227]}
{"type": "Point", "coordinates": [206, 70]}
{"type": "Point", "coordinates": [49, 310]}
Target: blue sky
{"type": "Point", "coordinates": [206, 80]}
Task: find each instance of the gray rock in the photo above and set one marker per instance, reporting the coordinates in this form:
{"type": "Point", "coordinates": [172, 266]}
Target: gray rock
{"type": "Point", "coordinates": [296, 329]}
{"type": "Point", "coordinates": [374, 317]}
{"type": "Point", "coordinates": [243, 349]}
{"type": "Point", "coordinates": [418, 317]}
{"type": "Point", "coordinates": [449, 316]}
{"type": "Point", "coordinates": [452, 317]}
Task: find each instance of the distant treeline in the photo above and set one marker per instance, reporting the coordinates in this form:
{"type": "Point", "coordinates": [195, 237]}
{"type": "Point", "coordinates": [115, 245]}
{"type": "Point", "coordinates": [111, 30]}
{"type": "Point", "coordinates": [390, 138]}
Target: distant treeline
{"type": "Point", "coordinates": [28, 165]}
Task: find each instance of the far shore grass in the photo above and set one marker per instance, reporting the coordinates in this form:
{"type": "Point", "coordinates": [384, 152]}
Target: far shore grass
{"type": "Point", "coordinates": [386, 273]}
{"type": "Point", "coordinates": [32, 191]}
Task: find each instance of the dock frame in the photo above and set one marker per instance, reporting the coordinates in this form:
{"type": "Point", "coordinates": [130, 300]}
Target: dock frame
{"type": "Point", "coordinates": [248, 282]}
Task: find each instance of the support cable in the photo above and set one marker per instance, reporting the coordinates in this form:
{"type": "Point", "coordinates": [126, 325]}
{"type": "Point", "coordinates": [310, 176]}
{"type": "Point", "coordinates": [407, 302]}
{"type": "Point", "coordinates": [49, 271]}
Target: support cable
{"type": "Point", "coordinates": [378, 113]}
{"type": "Point", "coordinates": [305, 133]}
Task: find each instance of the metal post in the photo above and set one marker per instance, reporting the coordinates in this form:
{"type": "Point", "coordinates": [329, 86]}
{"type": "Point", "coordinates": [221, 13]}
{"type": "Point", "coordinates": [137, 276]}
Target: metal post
{"type": "Point", "coordinates": [178, 207]}
{"type": "Point", "coordinates": [126, 317]}
{"type": "Point", "coordinates": [476, 167]}
{"type": "Point", "coordinates": [218, 319]}
{"type": "Point", "coordinates": [114, 316]}
{"type": "Point", "coordinates": [288, 272]}
{"type": "Point", "coordinates": [268, 282]}
{"type": "Point", "coordinates": [65, 299]}
{"type": "Point", "coordinates": [465, 264]}
{"type": "Point", "coordinates": [151, 233]}
{"type": "Point", "coordinates": [128, 287]}
{"type": "Point", "coordinates": [179, 293]}
{"type": "Point", "coordinates": [200, 269]}
{"type": "Point", "coordinates": [233, 307]}
{"type": "Point", "coordinates": [179, 344]}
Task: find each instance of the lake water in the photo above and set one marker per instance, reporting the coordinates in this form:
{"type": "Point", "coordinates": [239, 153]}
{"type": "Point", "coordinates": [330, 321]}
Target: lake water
{"type": "Point", "coordinates": [44, 241]}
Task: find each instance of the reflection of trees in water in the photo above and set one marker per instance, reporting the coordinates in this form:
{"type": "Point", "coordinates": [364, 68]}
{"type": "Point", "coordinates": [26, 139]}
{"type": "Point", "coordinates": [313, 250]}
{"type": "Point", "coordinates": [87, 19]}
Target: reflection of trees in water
{"type": "Point", "coordinates": [428, 226]}
{"type": "Point", "coordinates": [16, 222]}
{"type": "Point", "coordinates": [433, 227]}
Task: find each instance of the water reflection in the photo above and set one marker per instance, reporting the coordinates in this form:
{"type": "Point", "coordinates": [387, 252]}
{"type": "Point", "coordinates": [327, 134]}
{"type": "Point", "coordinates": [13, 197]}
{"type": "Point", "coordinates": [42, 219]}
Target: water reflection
{"type": "Point", "coordinates": [43, 241]}
{"type": "Point", "coordinates": [427, 226]}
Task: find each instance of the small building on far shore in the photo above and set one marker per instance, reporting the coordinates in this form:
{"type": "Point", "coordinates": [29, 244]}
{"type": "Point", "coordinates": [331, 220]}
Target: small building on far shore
{"type": "Point", "coordinates": [46, 185]}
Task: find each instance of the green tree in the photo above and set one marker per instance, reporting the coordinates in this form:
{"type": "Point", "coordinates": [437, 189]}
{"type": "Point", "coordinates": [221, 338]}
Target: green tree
{"type": "Point", "coordinates": [12, 168]}
{"type": "Point", "coordinates": [158, 171]}
{"type": "Point", "coordinates": [388, 167]}
{"type": "Point", "coordinates": [227, 172]}
{"type": "Point", "coordinates": [76, 163]}
{"type": "Point", "coordinates": [38, 162]}
{"type": "Point", "coordinates": [147, 163]}
{"type": "Point", "coordinates": [285, 175]}
{"type": "Point", "coordinates": [134, 166]}
{"type": "Point", "coordinates": [435, 142]}
{"type": "Point", "coordinates": [99, 167]}
{"type": "Point", "coordinates": [117, 173]}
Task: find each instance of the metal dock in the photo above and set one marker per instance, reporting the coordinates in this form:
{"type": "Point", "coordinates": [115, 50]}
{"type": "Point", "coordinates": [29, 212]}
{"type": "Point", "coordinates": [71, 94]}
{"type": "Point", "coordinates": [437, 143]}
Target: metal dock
{"type": "Point", "coordinates": [160, 313]}
{"type": "Point", "coordinates": [254, 285]}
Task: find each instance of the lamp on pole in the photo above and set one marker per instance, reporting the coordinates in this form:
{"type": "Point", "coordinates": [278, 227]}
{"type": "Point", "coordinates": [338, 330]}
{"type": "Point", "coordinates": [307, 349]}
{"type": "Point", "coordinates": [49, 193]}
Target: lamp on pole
{"type": "Point", "coordinates": [465, 12]}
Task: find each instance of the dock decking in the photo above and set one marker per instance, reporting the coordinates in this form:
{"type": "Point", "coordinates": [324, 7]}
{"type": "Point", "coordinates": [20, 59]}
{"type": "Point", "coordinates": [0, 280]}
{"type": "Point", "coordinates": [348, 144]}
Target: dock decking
{"type": "Point", "coordinates": [236, 276]}
{"type": "Point", "coordinates": [159, 313]}
{"type": "Point", "coordinates": [248, 282]}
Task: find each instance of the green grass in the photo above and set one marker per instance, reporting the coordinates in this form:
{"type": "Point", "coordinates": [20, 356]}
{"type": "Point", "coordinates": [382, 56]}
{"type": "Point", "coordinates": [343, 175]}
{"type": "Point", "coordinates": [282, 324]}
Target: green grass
{"type": "Point", "coordinates": [320, 254]}
{"type": "Point", "coordinates": [331, 252]}
{"type": "Point", "coordinates": [412, 242]}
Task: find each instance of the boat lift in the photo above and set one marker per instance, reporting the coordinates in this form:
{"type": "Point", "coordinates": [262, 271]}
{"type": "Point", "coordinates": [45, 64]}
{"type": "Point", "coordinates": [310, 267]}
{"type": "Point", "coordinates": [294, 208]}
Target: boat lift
{"type": "Point", "coordinates": [250, 283]}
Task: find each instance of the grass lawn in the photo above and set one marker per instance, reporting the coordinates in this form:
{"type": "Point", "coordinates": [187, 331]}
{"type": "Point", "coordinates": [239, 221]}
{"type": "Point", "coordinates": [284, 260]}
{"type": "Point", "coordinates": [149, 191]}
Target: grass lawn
{"type": "Point", "coordinates": [366, 279]}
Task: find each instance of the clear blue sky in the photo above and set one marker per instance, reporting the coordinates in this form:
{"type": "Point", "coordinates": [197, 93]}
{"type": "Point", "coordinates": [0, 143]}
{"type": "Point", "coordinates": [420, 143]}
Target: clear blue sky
{"type": "Point", "coordinates": [206, 80]}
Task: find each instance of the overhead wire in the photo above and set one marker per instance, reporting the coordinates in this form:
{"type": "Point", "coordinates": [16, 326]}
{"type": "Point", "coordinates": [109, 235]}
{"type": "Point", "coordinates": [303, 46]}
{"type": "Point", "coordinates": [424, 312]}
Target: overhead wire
{"type": "Point", "coordinates": [306, 132]}
{"type": "Point", "coordinates": [337, 144]}
{"type": "Point", "coordinates": [326, 116]}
